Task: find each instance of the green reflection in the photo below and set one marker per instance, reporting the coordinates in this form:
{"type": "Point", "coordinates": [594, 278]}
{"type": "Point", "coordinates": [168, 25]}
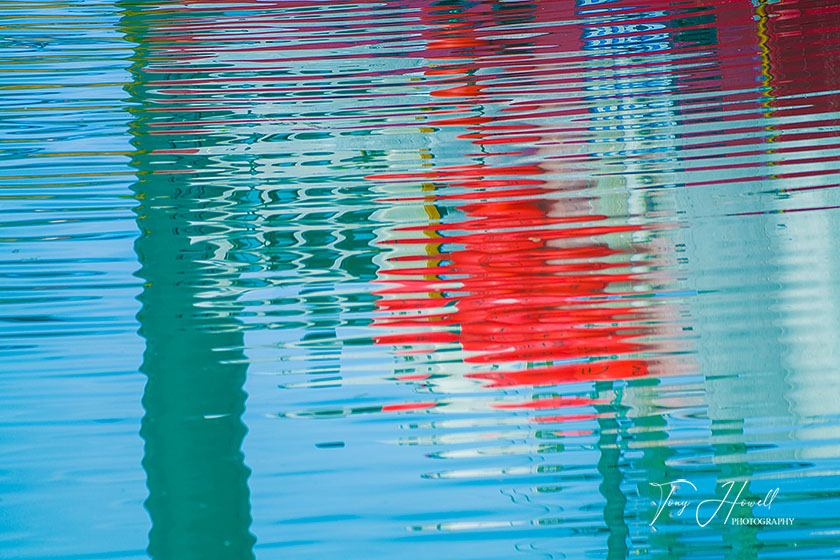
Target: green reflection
{"type": "Point", "coordinates": [194, 360]}
{"type": "Point", "coordinates": [611, 478]}
{"type": "Point", "coordinates": [198, 493]}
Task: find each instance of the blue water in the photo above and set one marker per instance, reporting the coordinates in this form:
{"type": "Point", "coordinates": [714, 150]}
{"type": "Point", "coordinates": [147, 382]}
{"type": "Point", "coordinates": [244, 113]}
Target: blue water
{"type": "Point", "coordinates": [419, 279]}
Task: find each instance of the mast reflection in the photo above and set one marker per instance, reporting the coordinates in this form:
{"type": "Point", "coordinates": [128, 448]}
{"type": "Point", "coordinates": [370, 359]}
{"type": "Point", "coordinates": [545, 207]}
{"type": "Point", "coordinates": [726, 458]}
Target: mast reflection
{"type": "Point", "coordinates": [194, 360]}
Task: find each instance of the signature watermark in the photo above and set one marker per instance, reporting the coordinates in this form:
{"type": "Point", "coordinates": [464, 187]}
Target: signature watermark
{"type": "Point", "coordinates": [707, 510]}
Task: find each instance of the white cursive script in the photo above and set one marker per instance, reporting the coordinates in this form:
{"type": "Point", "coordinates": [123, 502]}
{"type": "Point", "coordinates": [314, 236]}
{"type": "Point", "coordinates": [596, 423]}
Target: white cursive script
{"type": "Point", "coordinates": [671, 501]}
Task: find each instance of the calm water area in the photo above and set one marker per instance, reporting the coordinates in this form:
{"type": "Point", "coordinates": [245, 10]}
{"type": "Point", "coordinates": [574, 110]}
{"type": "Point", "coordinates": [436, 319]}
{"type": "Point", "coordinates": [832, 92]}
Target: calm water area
{"type": "Point", "coordinates": [410, 279]}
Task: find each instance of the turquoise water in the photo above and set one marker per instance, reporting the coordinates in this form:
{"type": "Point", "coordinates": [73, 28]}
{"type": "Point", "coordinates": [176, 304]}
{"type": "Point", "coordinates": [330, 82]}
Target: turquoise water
{"type": "Point", "coordinates": [468, 280]}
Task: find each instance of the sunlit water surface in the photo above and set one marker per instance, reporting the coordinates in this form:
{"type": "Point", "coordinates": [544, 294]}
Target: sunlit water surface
{"type": "Point", "coordinates": [419, 279]}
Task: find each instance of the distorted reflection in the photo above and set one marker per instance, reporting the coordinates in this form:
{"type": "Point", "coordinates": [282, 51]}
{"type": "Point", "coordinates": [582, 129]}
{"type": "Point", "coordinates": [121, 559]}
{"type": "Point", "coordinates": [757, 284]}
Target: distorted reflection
{"type": "Point", "coordinates": [489, 274]}
{"type": "Point", "coordinates": [194, 360]}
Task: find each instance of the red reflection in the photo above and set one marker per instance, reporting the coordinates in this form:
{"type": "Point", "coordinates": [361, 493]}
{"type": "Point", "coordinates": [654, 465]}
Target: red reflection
{"type": "Point", "coordinates": [802, 46]}
{"type": "Point", "coordinates": [533, 281]}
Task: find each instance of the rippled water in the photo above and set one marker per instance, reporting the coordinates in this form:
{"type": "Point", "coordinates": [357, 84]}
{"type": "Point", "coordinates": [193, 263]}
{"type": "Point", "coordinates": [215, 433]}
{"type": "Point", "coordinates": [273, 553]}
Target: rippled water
{"type": "Point", "coordinates": [445, 279]}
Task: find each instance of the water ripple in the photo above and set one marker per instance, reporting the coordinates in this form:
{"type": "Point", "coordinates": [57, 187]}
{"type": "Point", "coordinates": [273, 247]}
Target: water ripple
{"type": "Point", "coordinates": [470, 275]}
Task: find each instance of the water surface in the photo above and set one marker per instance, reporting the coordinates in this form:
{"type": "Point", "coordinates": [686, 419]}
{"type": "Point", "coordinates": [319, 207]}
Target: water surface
{"type": "Point", "coordinates": [304, 279]}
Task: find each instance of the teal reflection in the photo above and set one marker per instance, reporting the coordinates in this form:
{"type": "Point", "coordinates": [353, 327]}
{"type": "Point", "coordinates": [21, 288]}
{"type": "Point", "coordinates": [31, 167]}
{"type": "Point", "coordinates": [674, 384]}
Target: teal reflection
{"type": "Point", "coordinates": [194, 360]}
